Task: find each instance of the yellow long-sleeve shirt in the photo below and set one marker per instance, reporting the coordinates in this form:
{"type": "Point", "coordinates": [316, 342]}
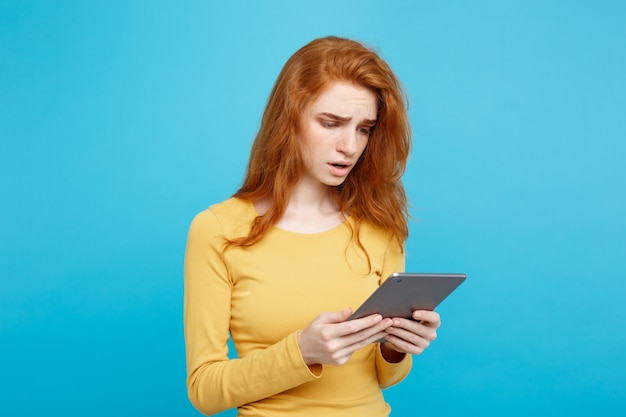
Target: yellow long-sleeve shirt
{"type": "Point", "coordinates": [263, 295]}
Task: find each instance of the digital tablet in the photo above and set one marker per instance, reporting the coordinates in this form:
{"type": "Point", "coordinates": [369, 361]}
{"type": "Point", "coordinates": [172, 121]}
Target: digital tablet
{"type": "Point", "coordinates": [404, 292]}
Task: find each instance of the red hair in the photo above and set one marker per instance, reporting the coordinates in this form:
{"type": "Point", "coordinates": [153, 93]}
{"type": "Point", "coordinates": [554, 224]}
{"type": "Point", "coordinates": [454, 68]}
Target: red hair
{"type": "Point", "coordinates": [373, 191]}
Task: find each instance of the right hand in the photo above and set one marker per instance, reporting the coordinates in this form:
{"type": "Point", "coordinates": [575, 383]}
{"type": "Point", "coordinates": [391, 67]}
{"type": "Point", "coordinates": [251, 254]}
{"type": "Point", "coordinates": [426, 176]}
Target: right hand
{"type": "Point", "coordinates": [330, 339]}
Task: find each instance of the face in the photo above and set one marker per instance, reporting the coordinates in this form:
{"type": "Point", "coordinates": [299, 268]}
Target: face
{"type": "Point", "coordinates": [334, 131]}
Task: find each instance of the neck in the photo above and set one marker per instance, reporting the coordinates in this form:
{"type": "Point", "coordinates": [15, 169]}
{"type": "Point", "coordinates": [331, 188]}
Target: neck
{"type": "Point", "coordinates": [312, 197]}
{"type": "Point", "coordinates": [311, 209]}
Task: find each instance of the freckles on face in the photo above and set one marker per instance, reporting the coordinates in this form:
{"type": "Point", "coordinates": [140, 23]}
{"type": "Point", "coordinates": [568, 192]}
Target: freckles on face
{"type": "Point", "coordinates": [335, 130]}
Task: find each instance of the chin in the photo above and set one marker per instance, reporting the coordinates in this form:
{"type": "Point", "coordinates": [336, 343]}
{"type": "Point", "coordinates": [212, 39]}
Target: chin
{"type": "Point", "coordinates": [336, 182]}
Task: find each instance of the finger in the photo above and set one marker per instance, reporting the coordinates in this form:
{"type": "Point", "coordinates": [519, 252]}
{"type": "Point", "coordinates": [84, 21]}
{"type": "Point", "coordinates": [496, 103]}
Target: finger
{"type": "Point", "coordinates": [401, 345]}
{"type": "Point", "coordinates": [334, 317]}
{"type": "Point", "coordinates": [420, 329]}
{"type": "Point", "coordinates": [431, 318]}
{"type": "Point", "coordinates": [368, 335]}
{"type": "Point", "coordinates": [415, 333]}
{"type": "Point", "coordinates": [334, 326]}
{"type": "Point", "coordinates": [420, 337]}
{"type": "Point", "coordinates": [348, 339]}
{"type": "Point", "coordinates": [340, 348]}
{"type": "Point", "coordinates": [353, 327]}
{"type": "Point", "coordinates": [359, 343]}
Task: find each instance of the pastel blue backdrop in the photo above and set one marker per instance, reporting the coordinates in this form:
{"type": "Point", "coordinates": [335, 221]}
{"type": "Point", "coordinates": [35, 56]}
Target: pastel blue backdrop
{"type": "Point", "coordinates": [121, 120]}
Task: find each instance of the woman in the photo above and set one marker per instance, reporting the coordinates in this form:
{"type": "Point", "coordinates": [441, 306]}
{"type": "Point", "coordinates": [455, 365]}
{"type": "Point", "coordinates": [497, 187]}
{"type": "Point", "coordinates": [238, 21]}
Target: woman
{"type": "Point", "coordinates": [319, 223]}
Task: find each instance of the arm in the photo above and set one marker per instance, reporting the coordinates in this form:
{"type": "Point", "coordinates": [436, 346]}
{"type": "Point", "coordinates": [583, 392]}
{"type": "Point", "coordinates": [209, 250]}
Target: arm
{"type": "Point", "coordinates": [214, 381]}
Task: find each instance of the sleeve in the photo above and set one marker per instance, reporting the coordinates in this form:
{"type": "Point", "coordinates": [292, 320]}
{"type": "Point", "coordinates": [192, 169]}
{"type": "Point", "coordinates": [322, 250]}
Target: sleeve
{"type": "Point", "coordinates": [215, 382]}
{"type": "Point", "coordinates": [392, 373]}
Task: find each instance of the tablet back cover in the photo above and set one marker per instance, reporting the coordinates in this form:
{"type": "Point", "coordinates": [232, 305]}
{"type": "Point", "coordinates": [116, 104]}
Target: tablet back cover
{"type": "Point", "coordinates": [404, 292]}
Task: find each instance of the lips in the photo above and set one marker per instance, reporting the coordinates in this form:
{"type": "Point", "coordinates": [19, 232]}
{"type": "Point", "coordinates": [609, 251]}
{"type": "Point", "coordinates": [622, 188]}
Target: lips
{"type": "Point", "coordinates": [340, 168]}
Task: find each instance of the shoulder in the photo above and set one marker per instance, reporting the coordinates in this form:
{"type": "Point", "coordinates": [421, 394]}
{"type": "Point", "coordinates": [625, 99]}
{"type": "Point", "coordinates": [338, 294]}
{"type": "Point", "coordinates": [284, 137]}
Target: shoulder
{"type": "Point", "coordinates": [373, 234]}
{"type": "Point", "coordinates": [379, 240]}
{"type": "Point", "coordinates": [229, 218]}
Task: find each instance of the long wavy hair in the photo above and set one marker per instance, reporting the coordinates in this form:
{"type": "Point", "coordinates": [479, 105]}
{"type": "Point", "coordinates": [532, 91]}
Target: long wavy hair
{"type": "Point", "coordinates": [373, 191]}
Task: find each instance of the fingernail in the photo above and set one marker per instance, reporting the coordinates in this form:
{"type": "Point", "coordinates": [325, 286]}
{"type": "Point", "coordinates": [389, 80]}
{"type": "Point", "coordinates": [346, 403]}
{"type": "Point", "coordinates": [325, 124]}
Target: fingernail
{"type": "Point", "coordinates": [377, 318]}
{"type": "Point", "coordinates": [417, 315]}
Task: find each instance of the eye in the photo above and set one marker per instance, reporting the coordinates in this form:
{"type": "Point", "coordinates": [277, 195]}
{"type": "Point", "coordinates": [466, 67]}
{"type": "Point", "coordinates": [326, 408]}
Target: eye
{"type": "Point", "coordinates": [365, 130]}
{"type": "Point", "coordinates": [328, 124]}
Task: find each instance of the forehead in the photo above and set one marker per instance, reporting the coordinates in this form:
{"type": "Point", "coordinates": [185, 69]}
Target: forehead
{"type": "Point", "coordinates": [346, 99]}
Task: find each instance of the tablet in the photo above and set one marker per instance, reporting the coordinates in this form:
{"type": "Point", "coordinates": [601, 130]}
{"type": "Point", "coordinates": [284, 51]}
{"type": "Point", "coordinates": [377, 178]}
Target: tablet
{"type": "Point", "coordinates": [404, 292]}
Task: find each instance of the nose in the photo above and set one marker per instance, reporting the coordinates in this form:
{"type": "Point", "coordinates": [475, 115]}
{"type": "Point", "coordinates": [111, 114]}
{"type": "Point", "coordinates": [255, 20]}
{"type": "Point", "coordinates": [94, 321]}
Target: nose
{"type": "Point", "coordinates": [347, 143]}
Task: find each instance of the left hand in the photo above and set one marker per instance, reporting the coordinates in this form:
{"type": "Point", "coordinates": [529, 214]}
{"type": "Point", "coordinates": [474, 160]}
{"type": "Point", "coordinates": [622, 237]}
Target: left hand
{"type": "Point", "coordinates": [411, 336]}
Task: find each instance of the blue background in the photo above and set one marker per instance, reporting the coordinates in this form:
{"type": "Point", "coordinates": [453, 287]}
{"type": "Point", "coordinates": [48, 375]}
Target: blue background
{"type": "Point", "coordinates": [121, 120]}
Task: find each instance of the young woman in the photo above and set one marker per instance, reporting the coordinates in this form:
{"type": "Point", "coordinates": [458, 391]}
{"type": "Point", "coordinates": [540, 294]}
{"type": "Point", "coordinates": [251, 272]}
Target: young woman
{"type": "Point", "coordinates": [319, 223]}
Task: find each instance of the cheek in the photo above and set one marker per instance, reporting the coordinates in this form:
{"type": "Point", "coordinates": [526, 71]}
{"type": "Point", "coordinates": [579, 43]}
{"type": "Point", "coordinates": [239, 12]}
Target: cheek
{"type": "Point", "coordinates": [362, 147]}
{"type": "Point", "coordinates": [305, 149]}
{"type": "Point", "coordinates": [314, 142]}
{"type": "Point", "coordinates": [307, 153]}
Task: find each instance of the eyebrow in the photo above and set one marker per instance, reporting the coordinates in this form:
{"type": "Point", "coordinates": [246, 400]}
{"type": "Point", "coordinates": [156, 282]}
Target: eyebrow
{"type": "Point", "coordinates": [346, 119]}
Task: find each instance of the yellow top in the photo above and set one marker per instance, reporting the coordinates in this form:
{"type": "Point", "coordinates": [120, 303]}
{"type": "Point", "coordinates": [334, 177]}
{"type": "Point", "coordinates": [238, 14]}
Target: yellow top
{"type": "Point", "coordinates": [263, 295]}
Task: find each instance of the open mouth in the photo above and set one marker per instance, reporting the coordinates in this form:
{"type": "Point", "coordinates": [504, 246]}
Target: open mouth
{"type": "Point", "coordinates": [339, 165]}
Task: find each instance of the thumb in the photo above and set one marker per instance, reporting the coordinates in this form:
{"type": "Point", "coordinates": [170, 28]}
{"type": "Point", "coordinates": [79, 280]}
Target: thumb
{"type": "Point", "coordinates": [336, 316]}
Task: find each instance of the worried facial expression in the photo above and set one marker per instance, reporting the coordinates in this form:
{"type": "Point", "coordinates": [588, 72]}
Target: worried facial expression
{"type": "Point", "coordinates": [334, 131]}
